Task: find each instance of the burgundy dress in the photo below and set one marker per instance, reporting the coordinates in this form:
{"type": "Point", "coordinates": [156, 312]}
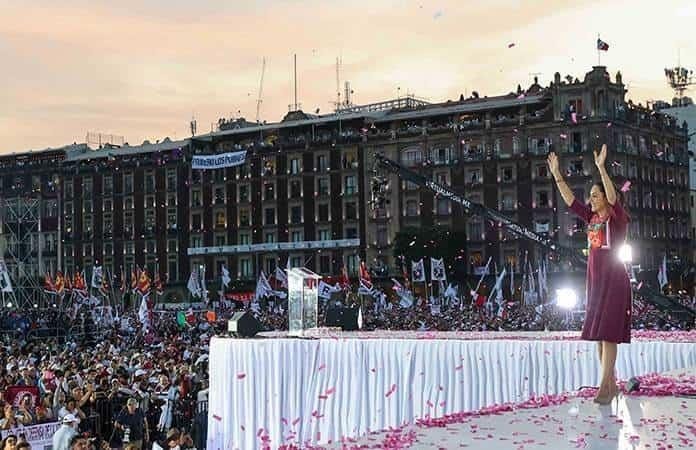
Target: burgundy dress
{"type": "Point", "coordinates": [608, 315]}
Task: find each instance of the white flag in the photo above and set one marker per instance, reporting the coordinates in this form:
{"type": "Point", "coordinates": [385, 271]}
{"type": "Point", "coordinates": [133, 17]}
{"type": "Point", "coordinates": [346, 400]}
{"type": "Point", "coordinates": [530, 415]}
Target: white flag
{"type": "Point", "coordinates": [498, 288]}
{"type": "Point", "coordinates": [263, 287]}
{"type": "Point", "coordinates": [5, 282]}
{"type": "Point", "coordinates": [325, 290]}
{"type": "Point", "coordinates": [193, 286]}
{"type": "Point", "coordinates": [143, 312]}
{"type": "Point", "coordinates": [437, 269]}
{"type": "Point", "coordinates": [662, 273]}
{"type": "Point", "coordinates": [97, 277]}
{"type": "Point", "coordinates": [417, 271]}
{"type": "Point", "coordinates": [226, 279]}
{"type": "Point", "coordinates": [282, 277]}
{"type": "Point", "coordinates": [204, 289]}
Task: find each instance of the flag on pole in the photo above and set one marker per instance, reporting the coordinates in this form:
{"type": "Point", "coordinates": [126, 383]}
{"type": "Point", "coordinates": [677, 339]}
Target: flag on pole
{"type": "Point", "coordinates": [134, 280]}
{"type": "Point", "coordinates": [5, 282]}
{"type": "Point", "coordinates": [144, 283]}
{"type": "Point", "coordinates": [105, 284]}
{"type": "Point", "coordinates": [204, 288]}
{"type": "Point", "coordinates": [662, 278]}
{"type": "Point", "coordinates": [68, 283]}
{"type": "Point", "coordinates": [263, 287]}
{"type": "Point", "coordinates": [282, 277]}
{"type": "Point", "coordinates": [344, 281]}
{"type": "Point", "coordinates": [97, 277]}
{"type": "Point", "coordinates": [60, 284]}
{"type": "Point", "coordinates": [49, 285]}
{"type": "Point", "coordinates": [325, 289]}
{"type": "Point", "coordinates": [226, 279]}
{"type": "Point", "coordinates": [193, 286]}
{"type": "Point", "coordinates": [601, 45]}
{"type": "Point", "coordinates": [417, 271]}
{"type": "Point", "coordinates": [124, 281]}
{"type": "Point", "coordinates": [437, 269]}
{"type": "Point", "coordinates": [365, 278]}
{"type": "Point", "coordinates": [159, 285]}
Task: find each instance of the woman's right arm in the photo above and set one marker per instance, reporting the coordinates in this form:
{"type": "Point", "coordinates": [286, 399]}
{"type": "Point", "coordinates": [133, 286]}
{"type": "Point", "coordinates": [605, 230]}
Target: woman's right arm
{"type": "Point", "coordinates": [563, 188]}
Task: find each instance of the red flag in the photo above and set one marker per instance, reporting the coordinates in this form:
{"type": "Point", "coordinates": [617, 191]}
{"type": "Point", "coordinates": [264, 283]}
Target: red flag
{"type": "Point", "coordinates": [144, 283]}
{"type": "Point", "coordinates": [134, 280]}
{"type": "Point", "coordinates": [68, 283]}
{"type": "Point", "coordinates": [49, 286]}
{"type": "Point", "coordinates": [59, 285]}
{"type": "Point", "coordinates": [344, 281]}
{"type": "Point", "coordinates": [365, 278]}
{"type": "Point", "coordinates": [159, 286]}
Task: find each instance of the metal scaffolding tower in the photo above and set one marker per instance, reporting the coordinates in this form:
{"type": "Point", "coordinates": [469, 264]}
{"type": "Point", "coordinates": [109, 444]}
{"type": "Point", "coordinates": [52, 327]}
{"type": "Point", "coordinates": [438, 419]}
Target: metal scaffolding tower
{"type": "Point", "coordinates": [20, 235]}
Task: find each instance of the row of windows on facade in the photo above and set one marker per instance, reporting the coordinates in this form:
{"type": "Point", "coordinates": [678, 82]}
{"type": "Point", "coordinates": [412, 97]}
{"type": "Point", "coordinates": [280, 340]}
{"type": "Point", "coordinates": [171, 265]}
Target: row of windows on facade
{"type": "Point", "coordinates": [268, 167]}
{"type": "Point", "coordinates": [244, 218]}
{"type": "Point", "coordinates": [507, 202]}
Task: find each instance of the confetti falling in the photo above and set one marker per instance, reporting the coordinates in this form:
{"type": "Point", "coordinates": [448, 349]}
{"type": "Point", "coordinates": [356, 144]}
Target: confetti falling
{"type": "Point", "coordinates": [626, 186]}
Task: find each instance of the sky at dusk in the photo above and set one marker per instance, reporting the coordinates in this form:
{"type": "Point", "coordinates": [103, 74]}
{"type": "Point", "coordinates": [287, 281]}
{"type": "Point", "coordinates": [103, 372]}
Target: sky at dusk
{"type": "Point", "coordinates": [141, 69]}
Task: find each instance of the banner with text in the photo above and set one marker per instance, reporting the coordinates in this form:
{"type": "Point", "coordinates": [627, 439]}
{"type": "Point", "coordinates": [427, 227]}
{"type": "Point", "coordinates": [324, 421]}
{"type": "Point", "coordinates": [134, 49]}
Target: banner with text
{"type": "Point", "coordinates": [40, 437]}
{"type": "Point", "coordinates": [208, 162]}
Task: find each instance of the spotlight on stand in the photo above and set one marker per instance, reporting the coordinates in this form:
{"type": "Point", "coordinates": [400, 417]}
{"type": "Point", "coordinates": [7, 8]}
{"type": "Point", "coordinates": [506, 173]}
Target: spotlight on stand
{"type": "Point", "coordinates": [566, 298]}
{"type": "Point", "coordinates": [626, 254]}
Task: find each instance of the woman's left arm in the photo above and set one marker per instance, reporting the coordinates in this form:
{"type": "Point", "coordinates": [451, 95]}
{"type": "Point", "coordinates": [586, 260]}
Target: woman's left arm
{"type": "Point", "coordinates": [609, 189]}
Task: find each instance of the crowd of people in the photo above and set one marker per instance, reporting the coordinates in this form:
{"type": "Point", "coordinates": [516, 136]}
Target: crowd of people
{"type": "Point", "coordinates": [115, 387]}
{"type": "Point", "coordinates": [127, 386]}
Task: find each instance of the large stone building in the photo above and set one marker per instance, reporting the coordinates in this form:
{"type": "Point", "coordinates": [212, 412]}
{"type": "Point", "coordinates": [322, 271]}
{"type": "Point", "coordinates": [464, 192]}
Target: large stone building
{"type": "Point", "coordinates": [687, 114]}
{"type": "Point", "coordinates": [303, 193]}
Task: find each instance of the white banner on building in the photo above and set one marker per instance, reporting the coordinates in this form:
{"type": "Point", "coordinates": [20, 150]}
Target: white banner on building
{"type": "Point", "coordinates": [38, 436]}
{"type": "Point", "coordinates": [208, 162]}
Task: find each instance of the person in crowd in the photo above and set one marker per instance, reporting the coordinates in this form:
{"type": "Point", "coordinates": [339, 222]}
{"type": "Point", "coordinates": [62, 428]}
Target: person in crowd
{"type": "Point", "coordinates": [132, 424]}
{"type": "Point", "coordinates": [9, 443]}
{"type": "Point", "coordinates": [63, 437]}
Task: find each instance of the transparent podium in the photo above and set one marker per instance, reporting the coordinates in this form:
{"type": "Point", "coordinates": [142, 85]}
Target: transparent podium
{"type": "Point", "coordinates": [303, 294]}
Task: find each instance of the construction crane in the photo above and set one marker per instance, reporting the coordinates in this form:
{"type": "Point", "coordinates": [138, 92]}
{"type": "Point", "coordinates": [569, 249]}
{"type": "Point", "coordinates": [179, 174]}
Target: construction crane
{"type": "Point", "coordinates": [379, 190]}
{"type": "Point", "coordinates": [260, 98]}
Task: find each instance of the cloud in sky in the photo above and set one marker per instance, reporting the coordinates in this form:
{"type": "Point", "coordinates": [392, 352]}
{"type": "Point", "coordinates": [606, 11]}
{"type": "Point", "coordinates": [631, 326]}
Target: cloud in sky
{"type": "Point", "coordinates": [141, 69]}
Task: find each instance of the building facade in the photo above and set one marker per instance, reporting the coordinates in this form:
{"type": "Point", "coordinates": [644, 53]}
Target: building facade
{"type": "Point", "coordinates": [687, 114]}
{"type": "Point", "coordinates": [302, 197]}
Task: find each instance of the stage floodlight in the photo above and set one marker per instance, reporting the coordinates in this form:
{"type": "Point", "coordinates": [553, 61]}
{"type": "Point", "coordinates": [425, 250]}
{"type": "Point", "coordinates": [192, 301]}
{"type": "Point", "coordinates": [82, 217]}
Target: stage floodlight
{"type": "Point", "coordinates": [625, 254]}
{"type": "Point", "coordinates": [566, 298]}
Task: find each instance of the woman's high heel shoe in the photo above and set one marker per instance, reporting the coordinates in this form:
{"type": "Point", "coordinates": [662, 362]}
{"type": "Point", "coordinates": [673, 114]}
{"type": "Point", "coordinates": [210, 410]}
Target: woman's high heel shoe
{"type": "Point", "coordinates": [607, 399]}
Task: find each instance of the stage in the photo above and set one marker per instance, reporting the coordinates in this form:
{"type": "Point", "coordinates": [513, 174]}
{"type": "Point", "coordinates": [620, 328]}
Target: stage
{"type": "Point", "coordinates": [275, 390]}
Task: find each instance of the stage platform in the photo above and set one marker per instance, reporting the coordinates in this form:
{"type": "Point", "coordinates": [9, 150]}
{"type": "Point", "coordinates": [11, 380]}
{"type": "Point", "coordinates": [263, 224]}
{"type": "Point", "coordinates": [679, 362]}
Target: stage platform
{"type": "Point", "coordinates": [635, 421]}
{"type": "Point", "coordinates": [276, 390]}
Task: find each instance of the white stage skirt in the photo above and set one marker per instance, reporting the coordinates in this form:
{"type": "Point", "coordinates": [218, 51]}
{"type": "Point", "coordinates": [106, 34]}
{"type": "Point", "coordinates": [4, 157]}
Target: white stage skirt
{"type": "Point", "coordinates": [269, 392]}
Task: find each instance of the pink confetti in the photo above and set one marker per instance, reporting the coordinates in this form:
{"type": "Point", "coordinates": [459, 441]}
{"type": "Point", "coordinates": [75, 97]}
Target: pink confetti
{"type": "Point", "coordinates": [391, 390]}
{"type": "Point", "coordinates": [295, 422]}
{"type": "Point", "coordinates": [216, 417]}
{"type": "Point", "coordinates": [563, 136]}
{"type": "Point", "coordinates": [322, 367]}
{"type": "Point", "coordinates": [511, 44]}
{"type": "Point", "coordinates": [626, 186]}
{"type": "Point", "coordinates": [241, 376]}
